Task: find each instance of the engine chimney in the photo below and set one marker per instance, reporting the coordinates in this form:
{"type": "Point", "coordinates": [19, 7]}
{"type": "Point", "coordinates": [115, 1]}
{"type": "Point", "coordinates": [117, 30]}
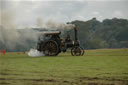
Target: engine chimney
{"type": "Point", "coordinates": [75, 30]}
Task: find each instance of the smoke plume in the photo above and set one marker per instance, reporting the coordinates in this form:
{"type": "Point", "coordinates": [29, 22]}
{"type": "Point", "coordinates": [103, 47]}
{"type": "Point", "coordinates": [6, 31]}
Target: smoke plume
{"type": "Point", "coordinates": [53, 25]}
{"type": "Point", "coordinates": [14, 39]}
{"type": "Point", "coordinates": [10, 36]}
{"type": "Point", "coordinates": [35, 53]}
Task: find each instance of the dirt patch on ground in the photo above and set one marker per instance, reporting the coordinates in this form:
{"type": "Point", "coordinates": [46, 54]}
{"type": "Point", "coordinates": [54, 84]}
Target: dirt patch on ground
{"type": "Point", "coordinates": [45, 80]}
{"type": "Point", "coordinates": [88, 78]}
{"type": "Point", "coordinates": [80, 81]}
{"type": "Point", "coordinates": [8, 74]}
{"type": "Point", "coordinates": [97, 78]}
{"type": "Point", "coordinates": [112, 81]}
{"type": "Point", "coordinates": [4, 83]}
{"type": "Point", "coordinates": [2, 79]}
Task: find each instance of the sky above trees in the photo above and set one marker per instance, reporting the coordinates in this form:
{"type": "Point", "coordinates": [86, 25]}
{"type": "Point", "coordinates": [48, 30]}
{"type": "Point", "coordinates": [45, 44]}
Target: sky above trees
{"type": "Point", "coordinates": [25, 13]}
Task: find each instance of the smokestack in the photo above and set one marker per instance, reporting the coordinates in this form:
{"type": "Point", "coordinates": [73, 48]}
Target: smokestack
{"type": "Point", "coordinates": [75, 30]}
{"type": "Point", "coordinates": [76, 35]}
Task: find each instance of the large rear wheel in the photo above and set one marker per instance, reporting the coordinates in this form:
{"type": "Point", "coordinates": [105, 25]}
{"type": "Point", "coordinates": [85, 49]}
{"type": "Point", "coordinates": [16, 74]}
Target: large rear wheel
{"type": "Point", "coordinates": [50, 48]}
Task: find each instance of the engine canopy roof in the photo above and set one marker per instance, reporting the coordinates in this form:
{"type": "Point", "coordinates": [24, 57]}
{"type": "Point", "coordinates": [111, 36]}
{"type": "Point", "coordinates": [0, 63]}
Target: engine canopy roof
{"type": "Point", "coordinates": [50, 33]}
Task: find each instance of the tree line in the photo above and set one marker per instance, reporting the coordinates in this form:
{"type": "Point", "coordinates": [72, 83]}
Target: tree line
{"type": "Point", "coordinates": [110, 33]}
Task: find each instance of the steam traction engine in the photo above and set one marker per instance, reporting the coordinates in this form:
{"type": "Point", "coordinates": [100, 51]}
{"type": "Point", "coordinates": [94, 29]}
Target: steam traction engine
{"type": "Point", "coordinates": [51, 44]}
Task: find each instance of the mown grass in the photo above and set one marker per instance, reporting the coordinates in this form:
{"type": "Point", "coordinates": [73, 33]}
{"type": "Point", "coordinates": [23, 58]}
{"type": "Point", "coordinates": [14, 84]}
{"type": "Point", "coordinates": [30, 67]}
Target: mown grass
{"type": "Point", "coordinates": [96, 67]}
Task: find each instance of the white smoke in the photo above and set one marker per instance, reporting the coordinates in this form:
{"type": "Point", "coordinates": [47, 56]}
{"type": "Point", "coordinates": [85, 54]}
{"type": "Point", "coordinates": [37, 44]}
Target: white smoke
{"type": "Point", "coordinates": [12, 38]}
{"type": "Point", "coordinates": [53, 25]}
{"type": "Point", "coordinates": [35, 53]}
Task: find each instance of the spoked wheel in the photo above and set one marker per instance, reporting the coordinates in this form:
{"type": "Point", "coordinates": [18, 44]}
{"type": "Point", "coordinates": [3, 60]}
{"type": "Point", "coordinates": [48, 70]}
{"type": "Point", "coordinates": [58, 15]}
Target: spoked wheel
{"type": "Point", "coordinates": [76, 51]}
{"type": "Point", "coordinates": [50, 48]}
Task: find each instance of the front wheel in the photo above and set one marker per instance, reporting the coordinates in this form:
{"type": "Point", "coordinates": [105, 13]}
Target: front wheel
{"type": "Point", "coordinates": [82, 53]}
{"type": "Point", "coordinates": [76, 51]}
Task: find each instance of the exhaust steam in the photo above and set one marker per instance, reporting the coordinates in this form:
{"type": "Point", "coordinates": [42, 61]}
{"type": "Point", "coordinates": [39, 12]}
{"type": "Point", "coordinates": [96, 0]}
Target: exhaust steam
{"type": "Point", "coordinates": [14, 39]}
{"type": "Point", "coordinates": [35, 53]}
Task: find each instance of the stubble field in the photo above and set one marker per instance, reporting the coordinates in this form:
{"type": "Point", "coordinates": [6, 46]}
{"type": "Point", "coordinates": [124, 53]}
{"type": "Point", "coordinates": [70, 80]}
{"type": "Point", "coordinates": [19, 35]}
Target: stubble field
{"type": "Point", "coordinates": [96, 67]}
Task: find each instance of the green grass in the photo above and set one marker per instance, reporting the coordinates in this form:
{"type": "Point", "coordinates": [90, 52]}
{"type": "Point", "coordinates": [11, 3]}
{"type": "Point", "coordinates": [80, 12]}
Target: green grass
{"type": "Point", "coordinates": [96, 67]}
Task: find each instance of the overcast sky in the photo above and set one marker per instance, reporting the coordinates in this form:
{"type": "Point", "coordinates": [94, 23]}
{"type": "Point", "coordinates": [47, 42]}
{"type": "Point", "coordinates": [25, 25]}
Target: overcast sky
{"type": "Point", "coordinates": [26, 12]}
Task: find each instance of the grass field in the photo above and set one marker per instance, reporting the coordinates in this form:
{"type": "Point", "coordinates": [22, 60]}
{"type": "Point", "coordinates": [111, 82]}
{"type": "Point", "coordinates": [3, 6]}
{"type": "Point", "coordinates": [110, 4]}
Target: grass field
{"type": "Point", "coordinates": [96, 67]}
